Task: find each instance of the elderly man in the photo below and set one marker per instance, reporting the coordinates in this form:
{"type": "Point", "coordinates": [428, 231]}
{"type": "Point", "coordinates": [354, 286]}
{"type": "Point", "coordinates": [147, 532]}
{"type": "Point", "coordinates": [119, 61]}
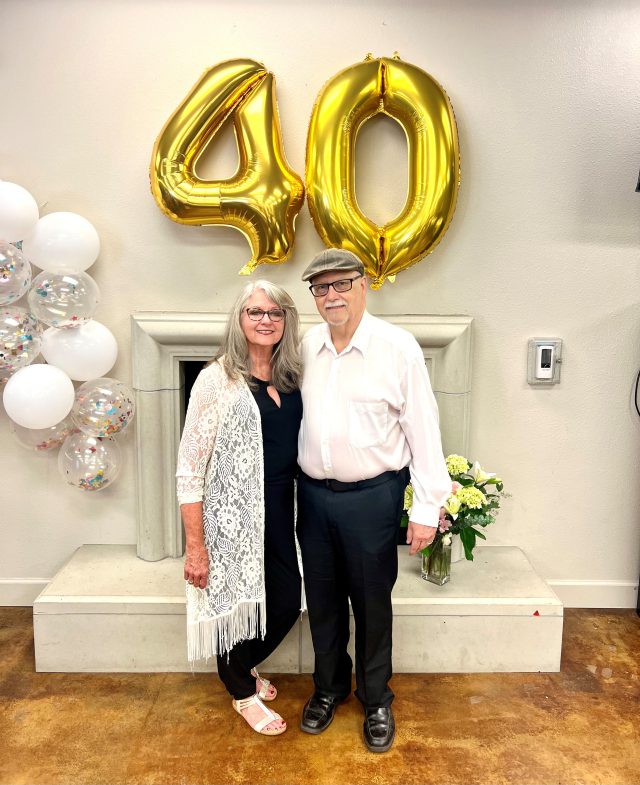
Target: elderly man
{"type": "Point", "coordinates": [369, 415]}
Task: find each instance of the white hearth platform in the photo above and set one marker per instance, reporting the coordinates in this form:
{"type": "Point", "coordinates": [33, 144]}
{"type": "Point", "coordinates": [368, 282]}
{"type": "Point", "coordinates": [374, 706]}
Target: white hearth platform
{"type": "Point", "coordinates": [109, 611]}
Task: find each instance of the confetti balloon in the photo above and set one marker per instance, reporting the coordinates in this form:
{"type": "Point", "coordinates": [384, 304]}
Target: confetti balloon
{"type": "Point", "coordinates": [62, 243]}
{"type": "Point", "coordinates": [88, 352]}
{"type": "Point", "coordinates": [67, 300]}
{"type": "Point", "coordinates": [43, 439]}
{"type": "Point", "coordinates": [20, 338]}
{"type": "Point", "coordinates": [87, 462]}
{"type": "Point", "coordinates": [103, 407]}
{"type": "Point", "coordinates": [18, 212]}
{"type": "Point", "coordinates": [38, 396]}
{"type": "Point", "coordinates": [15, 273]}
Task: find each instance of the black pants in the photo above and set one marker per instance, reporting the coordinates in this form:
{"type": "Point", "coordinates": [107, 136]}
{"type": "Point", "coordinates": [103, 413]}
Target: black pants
{"type": "Point", "coordinates": [349, 552]}
{"type": "Point", "coordinates": [283, 590]}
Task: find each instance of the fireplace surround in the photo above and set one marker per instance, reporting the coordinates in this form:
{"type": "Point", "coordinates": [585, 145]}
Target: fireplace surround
{"type": "Point", "coordinates": [162, 341]}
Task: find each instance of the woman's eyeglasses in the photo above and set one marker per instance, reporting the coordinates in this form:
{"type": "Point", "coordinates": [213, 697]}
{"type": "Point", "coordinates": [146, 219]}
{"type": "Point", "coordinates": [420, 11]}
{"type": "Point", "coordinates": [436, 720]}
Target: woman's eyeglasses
{"type": "Point", "coordinates": [257, 314]}
{"type": "Point", "coordinates": [343, 285]}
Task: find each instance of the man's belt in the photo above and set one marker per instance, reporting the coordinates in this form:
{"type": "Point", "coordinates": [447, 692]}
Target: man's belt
{"type": "Point", "coordinates": [339, 487]}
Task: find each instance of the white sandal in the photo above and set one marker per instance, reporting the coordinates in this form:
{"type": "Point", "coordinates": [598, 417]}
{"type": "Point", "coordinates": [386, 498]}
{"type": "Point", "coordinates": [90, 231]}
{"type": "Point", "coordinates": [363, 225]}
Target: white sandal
{"type": "Point", "coordinates": [264, 687]}
{"type": "Point", "coordinates": [260, 726]}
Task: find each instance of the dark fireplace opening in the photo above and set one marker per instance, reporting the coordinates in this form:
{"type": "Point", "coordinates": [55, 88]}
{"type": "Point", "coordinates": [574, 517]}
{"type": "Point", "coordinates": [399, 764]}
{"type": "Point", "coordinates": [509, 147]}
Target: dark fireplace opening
{"type": "Point", "coordinates": [190, 370]}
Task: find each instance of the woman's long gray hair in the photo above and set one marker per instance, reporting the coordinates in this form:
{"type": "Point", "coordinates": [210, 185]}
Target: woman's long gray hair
{"type": "Point", "coordinates": [286, 365]}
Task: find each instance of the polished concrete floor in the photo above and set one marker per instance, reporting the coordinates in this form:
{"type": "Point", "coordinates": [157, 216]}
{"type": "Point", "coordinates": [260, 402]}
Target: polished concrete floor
{"type": "Point", "coordinates": [581, 725]}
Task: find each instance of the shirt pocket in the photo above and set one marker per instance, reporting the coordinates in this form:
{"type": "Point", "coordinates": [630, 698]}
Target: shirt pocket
{"type": "Point", "coordinates": [367, 423]}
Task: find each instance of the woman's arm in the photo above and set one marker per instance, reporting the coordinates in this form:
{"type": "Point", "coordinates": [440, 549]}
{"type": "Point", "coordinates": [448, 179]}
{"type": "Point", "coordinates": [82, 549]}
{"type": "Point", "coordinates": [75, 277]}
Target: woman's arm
{"type": "Point", "coordinates": [196, 558]}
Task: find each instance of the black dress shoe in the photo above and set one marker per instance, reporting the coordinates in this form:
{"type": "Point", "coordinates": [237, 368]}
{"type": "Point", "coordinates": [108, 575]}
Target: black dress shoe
{"type": "Point", "coordinates": [379, 729]}
{"type": "Point", "coordinates": [318, 713]}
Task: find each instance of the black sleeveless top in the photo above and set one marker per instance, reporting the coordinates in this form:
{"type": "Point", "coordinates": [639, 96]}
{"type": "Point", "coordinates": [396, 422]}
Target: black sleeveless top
{"type": "Point", "coordinates": [280, 426]}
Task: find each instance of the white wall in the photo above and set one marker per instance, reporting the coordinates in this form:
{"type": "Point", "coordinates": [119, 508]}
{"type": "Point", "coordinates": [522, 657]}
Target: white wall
{"type": "Point", "coordinates": [544, 241]}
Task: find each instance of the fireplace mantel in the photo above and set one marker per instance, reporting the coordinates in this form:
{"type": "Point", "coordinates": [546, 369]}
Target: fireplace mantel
{"type": "Point", "coordinates": [161, 341]}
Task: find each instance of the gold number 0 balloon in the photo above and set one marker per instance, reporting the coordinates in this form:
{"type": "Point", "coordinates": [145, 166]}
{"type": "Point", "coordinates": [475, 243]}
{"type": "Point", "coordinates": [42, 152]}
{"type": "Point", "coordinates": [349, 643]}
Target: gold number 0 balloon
{"type": "Point", "coordinates": [419, 104]}
{"type": "Point", "coordinates": [264, 196]}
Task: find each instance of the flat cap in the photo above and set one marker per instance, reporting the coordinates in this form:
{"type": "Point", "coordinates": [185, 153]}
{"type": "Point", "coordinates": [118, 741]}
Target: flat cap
{"type": "Point", "coordinates": [332, 259]}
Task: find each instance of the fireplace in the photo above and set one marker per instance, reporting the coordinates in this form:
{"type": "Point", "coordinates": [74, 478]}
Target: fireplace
{"type": "Point", "coordinates": [165, 347]}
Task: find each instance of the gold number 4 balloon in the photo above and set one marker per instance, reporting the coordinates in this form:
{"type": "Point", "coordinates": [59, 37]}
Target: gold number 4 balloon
{"type": "Point", "coordinates": [265, 195]}
{"type": "Point", "coordinates": [422, 108]}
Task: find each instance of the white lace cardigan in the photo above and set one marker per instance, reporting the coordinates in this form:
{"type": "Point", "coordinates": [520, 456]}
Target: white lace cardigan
{"type": "Point", "coordinates": [220, 462]}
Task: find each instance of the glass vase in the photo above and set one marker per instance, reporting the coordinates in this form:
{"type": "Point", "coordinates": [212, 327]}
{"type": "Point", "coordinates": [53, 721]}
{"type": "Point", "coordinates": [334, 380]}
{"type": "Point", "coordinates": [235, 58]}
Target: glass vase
{"type": "Point", "coordinates": [436, 567]}
{"type": "Point", "coordinates": [457, 549]}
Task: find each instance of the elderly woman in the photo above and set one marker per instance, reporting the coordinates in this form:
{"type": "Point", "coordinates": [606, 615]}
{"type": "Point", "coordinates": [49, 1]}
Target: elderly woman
{"type": "Point", "coordinates": [236, 470]}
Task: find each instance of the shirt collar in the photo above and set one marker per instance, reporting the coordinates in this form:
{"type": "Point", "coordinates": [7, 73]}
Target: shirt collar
{"type": "Point", "coordinates": [359, 341]}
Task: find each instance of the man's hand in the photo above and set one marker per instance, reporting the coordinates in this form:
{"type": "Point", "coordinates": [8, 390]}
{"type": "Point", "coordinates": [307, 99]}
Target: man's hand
{"type": "Point", "coordinates": [196, 566]}
{"type": "Point", "coordinates": [419, 536]}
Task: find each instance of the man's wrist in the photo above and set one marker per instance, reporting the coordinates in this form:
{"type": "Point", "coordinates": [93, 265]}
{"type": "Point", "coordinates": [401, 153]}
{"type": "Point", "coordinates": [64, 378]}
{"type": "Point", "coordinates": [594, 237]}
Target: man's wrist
{"type": "Point", "coordinates": [427, 525]}
{"type": "Point", "coordinates": [424, 514]}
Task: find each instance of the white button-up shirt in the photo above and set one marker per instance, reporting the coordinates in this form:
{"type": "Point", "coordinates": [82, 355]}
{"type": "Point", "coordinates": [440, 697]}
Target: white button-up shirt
{"type": "Point", "coordinates": [371, 409]}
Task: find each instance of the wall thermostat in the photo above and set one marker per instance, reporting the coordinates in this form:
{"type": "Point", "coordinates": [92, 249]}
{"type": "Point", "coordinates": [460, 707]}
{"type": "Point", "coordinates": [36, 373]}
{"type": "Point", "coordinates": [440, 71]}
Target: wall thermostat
{"type": "Point", "coordinates": [544, 360]}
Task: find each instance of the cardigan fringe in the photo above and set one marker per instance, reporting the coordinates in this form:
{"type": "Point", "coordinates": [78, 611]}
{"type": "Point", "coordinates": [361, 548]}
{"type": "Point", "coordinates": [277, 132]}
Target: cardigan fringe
{"type": "Point", "coordinates": [209, 637]}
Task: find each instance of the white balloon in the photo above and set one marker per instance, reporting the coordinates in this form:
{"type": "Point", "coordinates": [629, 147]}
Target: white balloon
{"type": "Point", "coordinates": [62, 243]}
{"type": "Point", "coordinates": [88, 352]}
{"type": "Point", "coordinates": [18, 212]}
{"type": "Point", "coordinates": [38, 396]}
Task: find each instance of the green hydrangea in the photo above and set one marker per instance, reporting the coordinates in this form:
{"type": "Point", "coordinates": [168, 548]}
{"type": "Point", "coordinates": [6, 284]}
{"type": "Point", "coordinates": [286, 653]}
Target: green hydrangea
{"type": "Point", "coordinates": [456, 464]}
{"type": "Point", "coordinates": [408, 497]}
{"type": "Point", "coordinates": [472, 497]}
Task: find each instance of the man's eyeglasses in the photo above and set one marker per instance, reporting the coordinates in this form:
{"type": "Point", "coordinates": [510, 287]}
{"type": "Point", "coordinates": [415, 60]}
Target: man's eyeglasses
{"type": "Point", "coordinates": [343, 285]}
{"type": "Point", "coordinates": [257, 314]}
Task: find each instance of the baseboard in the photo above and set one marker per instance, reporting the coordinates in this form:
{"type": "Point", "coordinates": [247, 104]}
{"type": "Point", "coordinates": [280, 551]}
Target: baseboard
{"type": "Point", "coordinates": [20, 591]}
{"type": "Point", "coordinates": [596, 594]}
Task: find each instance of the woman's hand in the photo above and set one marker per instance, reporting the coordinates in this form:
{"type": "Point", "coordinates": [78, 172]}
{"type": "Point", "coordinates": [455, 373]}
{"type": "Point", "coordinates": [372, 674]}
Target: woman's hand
{"type": "Point", "coordinates": [196, 566]}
